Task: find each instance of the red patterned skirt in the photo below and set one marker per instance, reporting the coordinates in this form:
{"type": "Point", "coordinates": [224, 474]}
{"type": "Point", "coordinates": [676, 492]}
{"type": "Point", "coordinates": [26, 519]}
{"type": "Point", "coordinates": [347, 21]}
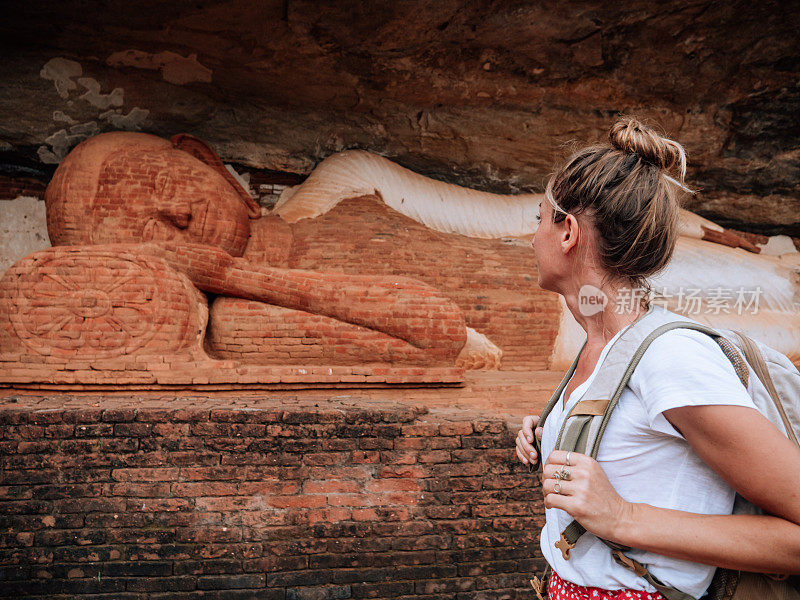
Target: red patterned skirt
{"type": "Point", "coordinates": [558, 589]}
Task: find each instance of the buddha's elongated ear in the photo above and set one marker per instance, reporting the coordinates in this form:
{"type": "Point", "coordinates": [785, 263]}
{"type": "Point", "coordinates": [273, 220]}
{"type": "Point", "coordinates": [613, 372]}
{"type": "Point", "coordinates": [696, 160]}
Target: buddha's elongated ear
{"type": "Point", "coordinates": [202, 151]}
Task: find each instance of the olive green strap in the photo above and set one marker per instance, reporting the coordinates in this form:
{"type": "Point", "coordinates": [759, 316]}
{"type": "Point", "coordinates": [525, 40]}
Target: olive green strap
{"type": "Point", "coordinates": [548, 408]}
{"type": "Point", "coordinates": [570, 537]}
{"type": "Point", "coordinates": [573, 532]}
{"type": "Point", "coordinates": [564, 381]}
{"type": "Point", "coordinates": [576, 434]}
{"type": "Point", "coordinates": [728, 349]}
{"type": "Point", "coordinates": [668, 592]}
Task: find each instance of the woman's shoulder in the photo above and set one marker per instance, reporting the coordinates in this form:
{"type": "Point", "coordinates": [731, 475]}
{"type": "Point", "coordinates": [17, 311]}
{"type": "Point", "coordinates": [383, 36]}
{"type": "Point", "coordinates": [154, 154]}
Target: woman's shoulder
{"type": "Point", "coordinates": [684, 344]}
{"type": "Point", "coordinates": [684, 356]}
{"type": "Point", "coordinates": [689, 339]}
{"type": "Point", "coordinates": [683, 353]}
{"type": "Point", "coordinates": [686, 367]}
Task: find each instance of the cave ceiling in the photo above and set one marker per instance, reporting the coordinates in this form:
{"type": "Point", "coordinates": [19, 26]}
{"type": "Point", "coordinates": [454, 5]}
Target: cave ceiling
{"type": "Point", "coordinates": [487, 94]}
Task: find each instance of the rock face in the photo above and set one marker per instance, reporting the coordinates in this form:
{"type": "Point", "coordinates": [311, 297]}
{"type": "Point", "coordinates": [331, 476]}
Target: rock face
{"type": "Point", "coordinates": [481, 94]}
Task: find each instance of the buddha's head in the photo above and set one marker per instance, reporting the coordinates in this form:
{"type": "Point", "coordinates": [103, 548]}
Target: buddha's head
{"type": "Point", "coordinates": [134, 187]}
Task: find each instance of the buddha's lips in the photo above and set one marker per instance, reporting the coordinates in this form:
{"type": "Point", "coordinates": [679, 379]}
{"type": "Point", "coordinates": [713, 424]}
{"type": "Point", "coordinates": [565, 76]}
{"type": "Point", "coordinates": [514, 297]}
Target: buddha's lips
{"type": "Point", "coordinates": [157, 231]}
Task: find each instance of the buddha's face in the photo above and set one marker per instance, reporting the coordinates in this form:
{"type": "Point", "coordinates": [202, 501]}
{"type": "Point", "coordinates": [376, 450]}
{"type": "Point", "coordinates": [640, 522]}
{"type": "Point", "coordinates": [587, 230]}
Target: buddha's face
{"type": "Point", "coordinates": [166, 195]}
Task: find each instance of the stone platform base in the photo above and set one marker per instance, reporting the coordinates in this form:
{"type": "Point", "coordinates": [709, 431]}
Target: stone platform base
{"type": "Point", "coordinates": [382, 493]}
{"type": "Point", "coordinates": [153, 373]}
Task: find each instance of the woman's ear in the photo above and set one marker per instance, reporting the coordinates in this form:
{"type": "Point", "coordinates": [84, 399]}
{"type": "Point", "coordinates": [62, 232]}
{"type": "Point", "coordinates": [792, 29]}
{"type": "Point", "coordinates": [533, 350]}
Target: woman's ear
{"type": "Point", "coordinates": [202, 151]}
{"type": "Point", "coordinates": [570, 233]}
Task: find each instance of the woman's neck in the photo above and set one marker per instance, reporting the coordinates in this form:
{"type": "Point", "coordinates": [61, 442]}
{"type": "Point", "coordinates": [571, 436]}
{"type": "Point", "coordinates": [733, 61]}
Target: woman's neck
{"type": "Point", "coordinates": [603, 313]}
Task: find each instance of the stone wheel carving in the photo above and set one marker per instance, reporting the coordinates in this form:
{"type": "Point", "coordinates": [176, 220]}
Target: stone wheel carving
{"type": "Point", "coordinates": [96, 304]}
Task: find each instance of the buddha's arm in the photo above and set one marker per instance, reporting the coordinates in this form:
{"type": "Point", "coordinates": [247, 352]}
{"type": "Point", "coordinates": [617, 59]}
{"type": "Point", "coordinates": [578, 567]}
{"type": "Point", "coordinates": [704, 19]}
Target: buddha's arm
{"type": "Point", "coordinates": [398, 306]}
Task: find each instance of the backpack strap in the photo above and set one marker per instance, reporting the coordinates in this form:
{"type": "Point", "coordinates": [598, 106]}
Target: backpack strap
{"type": "Point", "coordinates": [586, 423]}
{"type": "Point", "coordinates": [621, 559]}
{"type": "Point", "coordinates": [756, 360]}
{"type": "Point", "coordinates": [727, 347]}
{"type": "Point", "coordinates": [574, 530]}
{"type": "Point", "coordinates": [548, 408]}
{"type": "Point", "coordinates": [564, 381]}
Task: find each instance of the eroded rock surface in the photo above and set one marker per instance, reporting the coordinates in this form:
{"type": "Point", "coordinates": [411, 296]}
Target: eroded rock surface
{"type": "Point", "coordinates": [481, 94]}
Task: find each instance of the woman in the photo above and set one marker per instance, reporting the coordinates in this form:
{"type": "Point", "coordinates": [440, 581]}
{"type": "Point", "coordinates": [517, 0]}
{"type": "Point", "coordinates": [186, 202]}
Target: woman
{"type": "Point", "coordinates": [685, 435]}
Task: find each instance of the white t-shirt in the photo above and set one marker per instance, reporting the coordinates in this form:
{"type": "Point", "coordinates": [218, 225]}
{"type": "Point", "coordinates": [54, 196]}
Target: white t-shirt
{"type": "Point", "coordinates": [648, 461]}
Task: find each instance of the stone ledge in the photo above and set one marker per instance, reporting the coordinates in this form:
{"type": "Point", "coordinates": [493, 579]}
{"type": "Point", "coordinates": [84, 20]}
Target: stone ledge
{"type": "Point", "coordinates": [142, 373]}
{"type": "Point", "coordinates": [496, 394]}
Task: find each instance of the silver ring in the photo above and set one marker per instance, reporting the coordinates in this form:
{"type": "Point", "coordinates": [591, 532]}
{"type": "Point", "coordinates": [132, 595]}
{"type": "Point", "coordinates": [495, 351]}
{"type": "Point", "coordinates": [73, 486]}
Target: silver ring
{"type": "Point", "coordinates": [565, 474]}
{"type": "Point", "coordinates": [557, 475]}
{"type": "Point", "coordinates": [568, 455]}
{"type": "Point", "coordinates": [557, 488]}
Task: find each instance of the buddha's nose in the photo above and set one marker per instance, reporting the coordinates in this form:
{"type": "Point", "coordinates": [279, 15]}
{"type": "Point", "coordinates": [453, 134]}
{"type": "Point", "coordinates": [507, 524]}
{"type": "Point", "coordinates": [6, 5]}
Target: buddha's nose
{"type": "Point", "coordinates": [173, 205]}
{"type": "Point", "coordinates": [178, 212]}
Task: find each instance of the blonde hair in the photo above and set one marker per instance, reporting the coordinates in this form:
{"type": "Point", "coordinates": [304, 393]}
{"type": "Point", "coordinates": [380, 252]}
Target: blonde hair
{"type": "Point", "coordinates": [626, 190]}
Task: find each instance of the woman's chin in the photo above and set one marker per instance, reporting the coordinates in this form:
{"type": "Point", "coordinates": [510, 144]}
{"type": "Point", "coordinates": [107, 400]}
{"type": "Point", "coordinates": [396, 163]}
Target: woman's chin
{"type": "Point", "coordinates": [542, 283]}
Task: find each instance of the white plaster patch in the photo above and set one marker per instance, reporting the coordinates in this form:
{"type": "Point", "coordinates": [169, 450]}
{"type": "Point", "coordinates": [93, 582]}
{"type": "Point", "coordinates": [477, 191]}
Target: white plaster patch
{"type": "Point", "coordinates": [94, 97]}
{"type": "Point", "coordinates": [131, 122]}
{"type": "Point", "coordinates": [47, 156]}
{"type": "Point", "coordinates": [61, 142]}
{"type": "Point", "coordinates": [84, 130]}
{"type": "Point", "coordinates": [60, 115]}
{"type": "Point", "coordinates": [777, 245]}
{"type": "Point", "coordinates": [792, 259]}
{"type": "Point", "coordinates": [23, 229]}
{"type": "Point", "coordinates": [174, 68]}
{"type": "Point", "coordinates": [61, 71]}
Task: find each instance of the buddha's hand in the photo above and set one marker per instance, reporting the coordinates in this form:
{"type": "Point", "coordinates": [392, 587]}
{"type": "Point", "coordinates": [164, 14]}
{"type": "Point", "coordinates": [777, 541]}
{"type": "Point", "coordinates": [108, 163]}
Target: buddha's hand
{"type": "Point", "coordinates": [207, 267]}
{"type": "Point", "coordinates": [526, 450]}
{"type": "Point", "coordinates": [581, 488]}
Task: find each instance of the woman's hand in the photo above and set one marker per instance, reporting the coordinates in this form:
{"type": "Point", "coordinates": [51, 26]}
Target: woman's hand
{"type": "Point", "coordinates": [584, 492]}
{"type": "Point", "coordinates": [525, 450]}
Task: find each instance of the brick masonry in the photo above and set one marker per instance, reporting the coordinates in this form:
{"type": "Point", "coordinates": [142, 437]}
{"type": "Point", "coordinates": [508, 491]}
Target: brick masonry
{"type": "Point", "coordinates": [289, 497]}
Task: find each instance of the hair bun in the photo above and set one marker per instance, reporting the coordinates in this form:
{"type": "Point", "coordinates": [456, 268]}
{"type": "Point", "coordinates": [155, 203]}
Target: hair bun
{"type": "Point", "coordinates": [629, 135]}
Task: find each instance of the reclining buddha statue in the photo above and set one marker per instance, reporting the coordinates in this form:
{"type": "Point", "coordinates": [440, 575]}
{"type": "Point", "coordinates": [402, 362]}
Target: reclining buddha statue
{"type": "Point", "coordinates": [149, 233]}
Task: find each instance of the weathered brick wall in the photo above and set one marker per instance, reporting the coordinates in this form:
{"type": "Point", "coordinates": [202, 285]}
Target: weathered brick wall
{"type": "Point", "coordinates": [183, 499]}
{"type": "Point", "coordinates": [14, 187]}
